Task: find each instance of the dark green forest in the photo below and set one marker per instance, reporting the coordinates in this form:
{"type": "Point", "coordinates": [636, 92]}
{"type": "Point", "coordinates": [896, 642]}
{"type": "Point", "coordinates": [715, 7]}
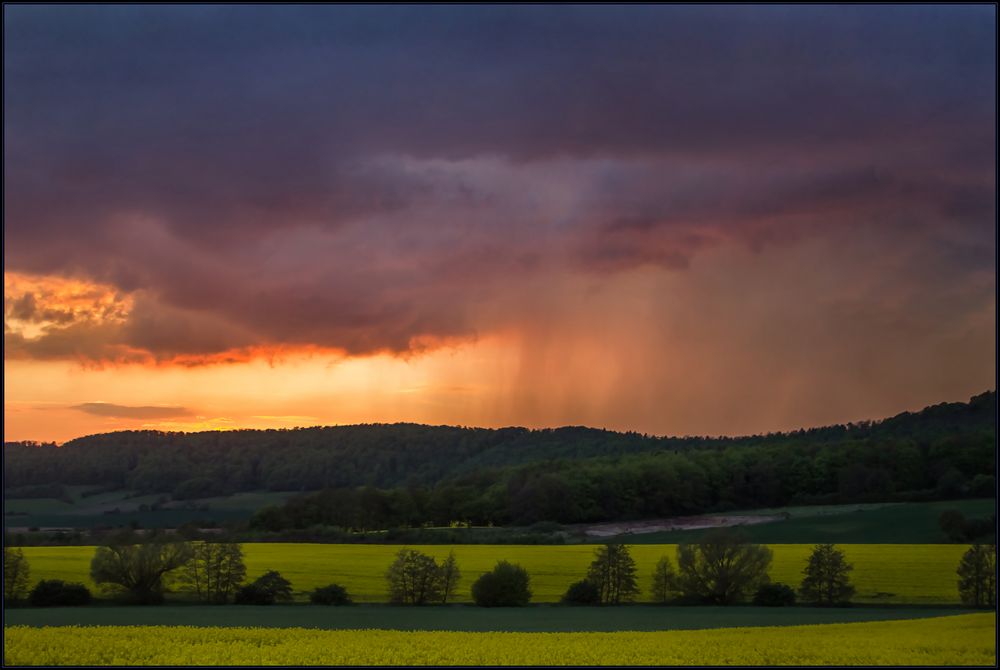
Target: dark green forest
{"type": "Point", "coordinates": [404, 475]}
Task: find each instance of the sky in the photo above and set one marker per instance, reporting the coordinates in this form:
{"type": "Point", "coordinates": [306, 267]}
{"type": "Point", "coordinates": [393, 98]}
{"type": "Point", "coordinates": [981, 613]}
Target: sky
{"type": "Point", "coordinates": [678, 220]}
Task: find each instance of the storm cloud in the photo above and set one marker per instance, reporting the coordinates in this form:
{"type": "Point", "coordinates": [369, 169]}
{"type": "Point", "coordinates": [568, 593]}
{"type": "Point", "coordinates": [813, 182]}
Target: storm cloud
{"type": "Point", "coordinates": [370, 179]}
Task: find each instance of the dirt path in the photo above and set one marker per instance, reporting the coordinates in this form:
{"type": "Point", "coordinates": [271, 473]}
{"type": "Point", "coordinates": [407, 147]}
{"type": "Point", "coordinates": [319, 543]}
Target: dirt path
{"type": "Point", "coordinates": [675, 523]}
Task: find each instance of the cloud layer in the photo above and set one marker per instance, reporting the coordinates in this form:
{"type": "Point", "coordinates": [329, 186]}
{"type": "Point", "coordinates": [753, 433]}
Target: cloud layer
{"type": "Point", "coordinates": [125, 412]}
{"type": "Point", "coordinates": [225, 183]}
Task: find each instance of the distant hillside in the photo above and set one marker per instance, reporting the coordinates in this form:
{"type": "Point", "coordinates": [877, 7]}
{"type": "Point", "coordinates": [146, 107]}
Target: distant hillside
{"type": "Point", "coordinates": [947, 445]}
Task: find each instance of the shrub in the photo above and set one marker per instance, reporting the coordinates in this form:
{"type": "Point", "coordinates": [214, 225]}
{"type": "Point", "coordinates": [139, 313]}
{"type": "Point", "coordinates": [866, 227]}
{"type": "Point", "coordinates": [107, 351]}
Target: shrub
{"type": "Point", "coordinates": [505, 586]}
{"type": "Point", "coordinates": [582, 593]}
{"type": "Point", "coordinates": [251, 594]}
{"type": "Point", "coordinates": [333, 594]}
{"type": "Point", "coordinates": [266, 590]}
{"type": "Point", "coordinates": [57, 593]}
{"type": "Point", "coordinates": [774, 595]}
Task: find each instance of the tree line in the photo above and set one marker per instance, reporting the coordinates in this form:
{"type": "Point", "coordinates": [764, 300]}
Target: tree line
{"type": "Point", "coordinates": [723, 568]}
{"type": "Point", "coordinates": [659, 484]}
{"type": "Point", "coordinates": [939, 451]}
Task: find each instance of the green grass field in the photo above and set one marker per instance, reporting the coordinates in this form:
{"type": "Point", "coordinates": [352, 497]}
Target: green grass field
{"type": "Point", "coordinates": [95, 510]}
{"type": "Point", "coordinates": [883, 573]}
{"type": "Point", "coordinates": [968, 639]}
{"type": "Point", "coordinates": [539, 618]}
{"type": "Point", "coordinates": [883, 523]}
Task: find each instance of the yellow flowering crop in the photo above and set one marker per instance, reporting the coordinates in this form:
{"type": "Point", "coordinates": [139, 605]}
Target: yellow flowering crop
{"type": "Point", "coordinates": [955, 640]}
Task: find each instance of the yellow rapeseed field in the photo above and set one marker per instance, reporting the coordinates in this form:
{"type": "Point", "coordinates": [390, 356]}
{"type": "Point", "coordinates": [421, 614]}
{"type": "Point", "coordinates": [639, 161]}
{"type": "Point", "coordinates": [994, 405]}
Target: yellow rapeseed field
{"type": "Point", "coordinates": [889, 573]}
{"type": "Point", "coordinates": [955, 640]}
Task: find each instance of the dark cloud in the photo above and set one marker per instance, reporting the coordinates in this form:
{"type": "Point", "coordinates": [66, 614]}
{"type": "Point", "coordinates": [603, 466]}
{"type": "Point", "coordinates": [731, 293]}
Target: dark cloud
{"type": "Point", "coordinates": [126, 412]}
{"type": "Point", "coordinates": [363, 178]}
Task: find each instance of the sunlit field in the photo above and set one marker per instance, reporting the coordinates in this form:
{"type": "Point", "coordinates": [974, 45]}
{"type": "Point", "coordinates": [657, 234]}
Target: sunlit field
{"type": "Point", "coordinates": [883, 573]}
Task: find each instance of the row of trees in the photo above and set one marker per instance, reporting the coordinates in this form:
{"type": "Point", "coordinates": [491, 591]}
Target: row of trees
{"type": "Point", "coordinates": [414, 578]}
{"type": "Point", "coordinates": [723, 568]}
{"type": "Point", "coordinates": [140, 572]}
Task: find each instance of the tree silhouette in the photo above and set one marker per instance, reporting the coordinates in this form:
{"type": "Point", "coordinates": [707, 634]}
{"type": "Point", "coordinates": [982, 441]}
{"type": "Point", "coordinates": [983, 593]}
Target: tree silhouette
{"type": "Point", "coordinates": [613, 572]}
{"type": "Point", "coordinates": [450, 575]}
{"type": "Point", "coordinates": [664, 580]}
{"type": "Point", "coordinates": [977, 576]}
{"type": "Point", "coordinates": [414, 578]}
{"type": "Point", "coordinates": [826, 579]}
{"type": "Point", "coordinates": [723, 568]}
{"type": "Point", "coordinates": [139, 568]}
{"type": "Point", "coordinates": [16, 574]}
{"type": "Point", "coordinates": [215, 571]}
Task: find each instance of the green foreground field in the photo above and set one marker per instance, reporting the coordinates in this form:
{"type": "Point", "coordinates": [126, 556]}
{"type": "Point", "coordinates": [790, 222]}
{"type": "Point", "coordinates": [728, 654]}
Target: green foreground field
{"type": "Point", "coordinates": [539, 618]}
{"type": "Point", "coordinates": [883, 573]}
{"type": "Point", "coordinates": [957, 640]}
{"type": "Point", "coordinates": [121, 508]}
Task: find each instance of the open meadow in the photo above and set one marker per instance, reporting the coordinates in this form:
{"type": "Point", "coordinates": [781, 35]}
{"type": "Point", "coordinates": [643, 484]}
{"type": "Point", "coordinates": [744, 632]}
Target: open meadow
{"type": "Point", "coordinates": [883, 573]}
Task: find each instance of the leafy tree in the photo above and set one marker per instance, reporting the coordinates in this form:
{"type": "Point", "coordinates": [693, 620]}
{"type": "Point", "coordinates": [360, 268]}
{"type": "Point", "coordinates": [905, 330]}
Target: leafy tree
{"type": "Point", "coordinates": [664, 581]}
{"type": "Point", "coordinates": [414, 578]}
{"type": "Point", "coordinates": [613, 572]}
{"type": "Point", "coordinates": [265, 590]}
{"type": "Point", "coordinates": [215, 571]}
{"type": "Point", "coordinates": [506, 586]}
{"type": "Point", "coordinates": [958, 528]}
{"type": "Point", "coordinates": [450, 575]}
{"type": "Point", "coordinates": [826, 579]}
{"type": "Point", "coordinates": [774, 594]}
{"type": "Point", "coordinates": [583, 592]}
{"type": "Point", "coordinates": [139, 569]}
{"type": "Point", "coordinates": [57, 593]}
{"type": "Point", "coordinates": [333, 594]}
{"type": "Point", "coordinates": [16, 574]}
{"type": "Point", "coordinates": [977, 576]}
{"type": "Point", "coordinates": [723, 568]}
{"type": "Point", "coordinates": [953, 524]}
{"type": "Point", "coordinates": [983, 486]}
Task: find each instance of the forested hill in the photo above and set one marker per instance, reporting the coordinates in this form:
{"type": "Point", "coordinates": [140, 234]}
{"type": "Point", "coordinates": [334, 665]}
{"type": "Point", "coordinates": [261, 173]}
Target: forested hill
{"type": "Point", "coordinates": [381, 455]}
